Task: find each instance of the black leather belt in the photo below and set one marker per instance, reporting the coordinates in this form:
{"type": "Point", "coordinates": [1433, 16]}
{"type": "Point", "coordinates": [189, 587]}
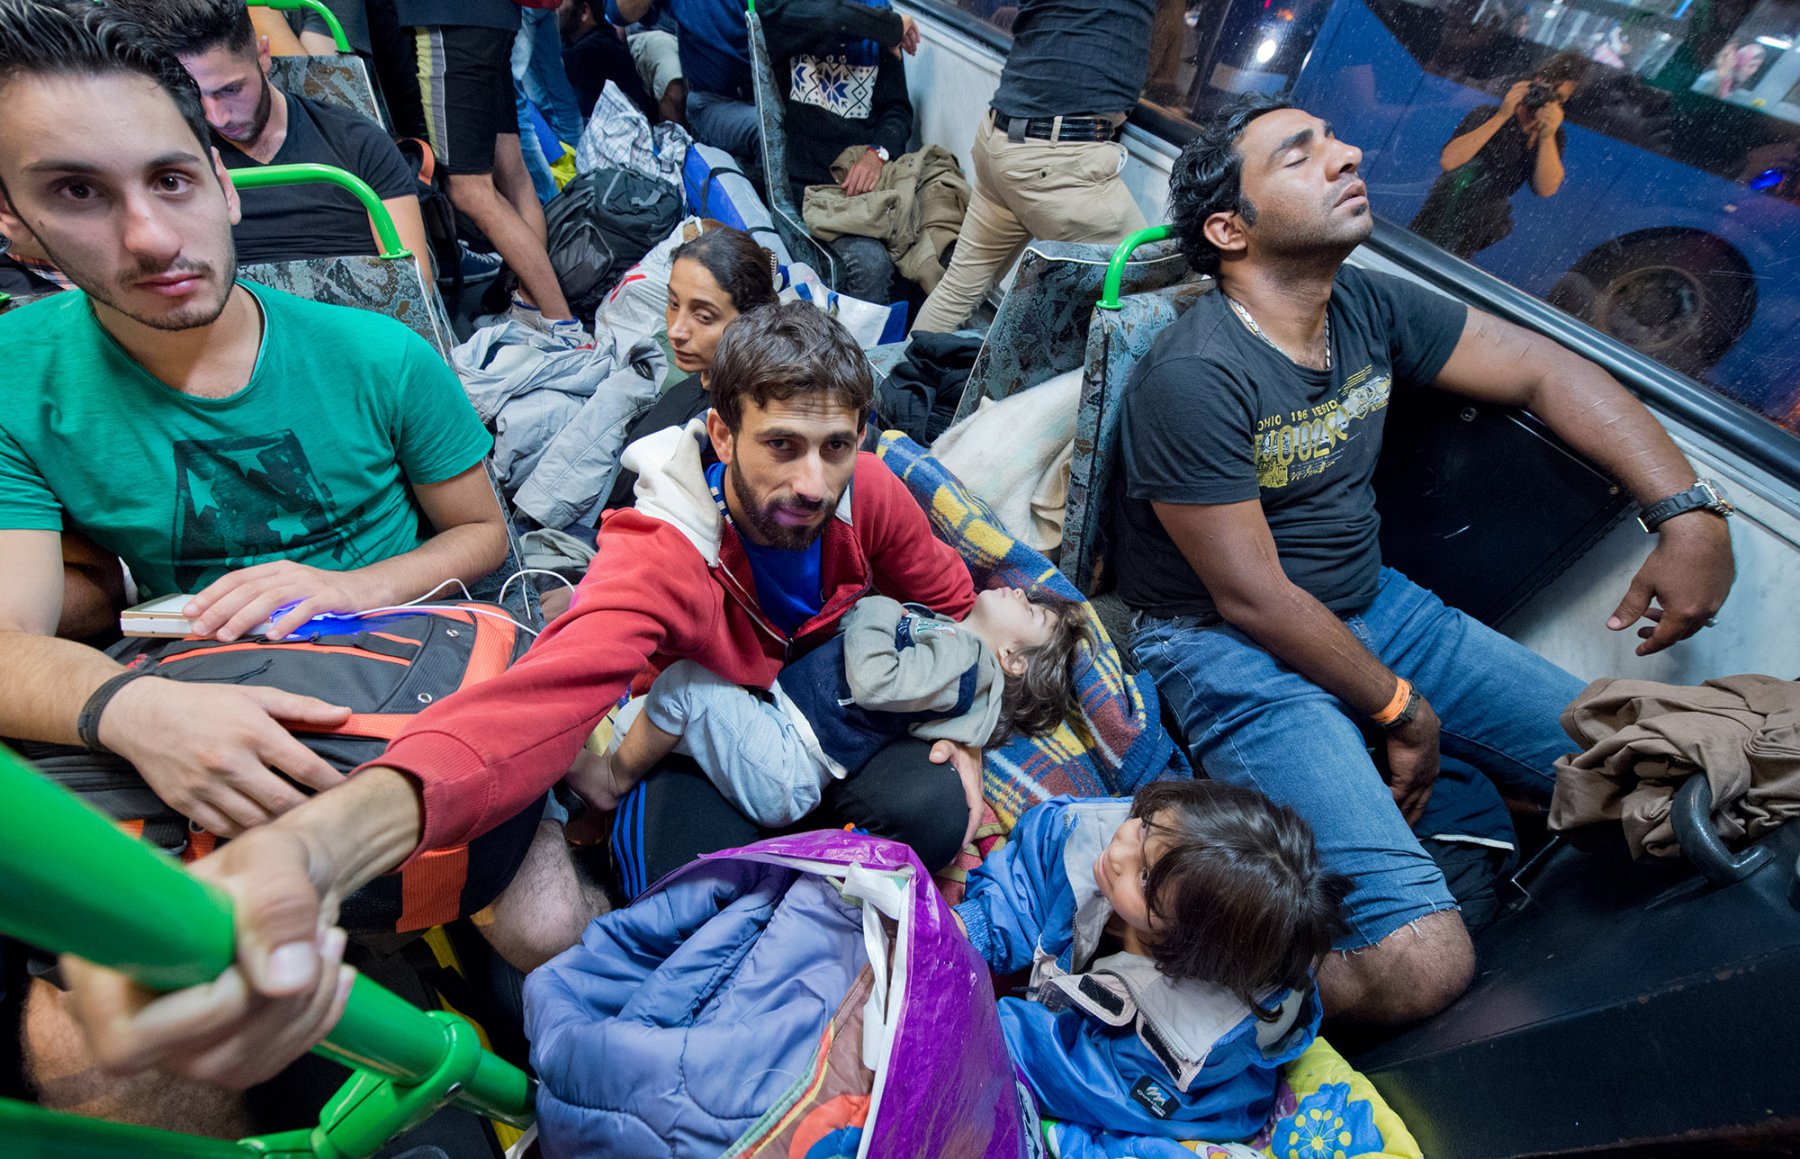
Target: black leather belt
{"type": "Point", "coordinates": [1056, 128]}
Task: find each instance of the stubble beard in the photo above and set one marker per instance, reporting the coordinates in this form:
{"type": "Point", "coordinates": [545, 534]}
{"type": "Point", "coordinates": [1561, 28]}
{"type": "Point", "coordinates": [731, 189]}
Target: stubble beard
{"type": "Point", "coordinates": [761, 518]}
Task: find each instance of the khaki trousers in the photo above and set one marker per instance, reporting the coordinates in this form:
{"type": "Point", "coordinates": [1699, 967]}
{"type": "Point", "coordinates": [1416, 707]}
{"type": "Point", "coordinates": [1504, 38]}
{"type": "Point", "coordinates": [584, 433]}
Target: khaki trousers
{"type": "Point", "coordinates": [1051, 190]}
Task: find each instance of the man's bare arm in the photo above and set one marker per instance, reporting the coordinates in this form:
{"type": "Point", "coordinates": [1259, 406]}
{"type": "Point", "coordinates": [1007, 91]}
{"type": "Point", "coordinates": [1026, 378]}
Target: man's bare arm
{"type": "Point", "coordinates": [470, 542]}
{"type": "Point", "coordinates": [1461, 150]}
{"type": "Point", "coordinates": [409, 223]}
{"type": "Point", "coordinates": [1690, 570]}
{"type": "Point", "coordinates": [282, 41]}
{"type": "Point", "coordinates": [1547, 168]}
{"type": "Point", "coordinates": [44, 681]}
{"type": "Point", "coordinates": [1231, 549]}
{"type": "Point", "coordinates": [93, 589]}
{"type": "Point", "coordinates": [207, 750]}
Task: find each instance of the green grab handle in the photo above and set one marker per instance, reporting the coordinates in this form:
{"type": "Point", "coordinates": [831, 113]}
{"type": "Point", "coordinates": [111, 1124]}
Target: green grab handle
{"type": "Point", "coordinates": [72, 882]}
{"type": "Point", "coordinates": [32, 1132]}
{"type": "Point", "coordinates": [300, 174]}
{"type": "Point", "coordinates": [1115, 269]}
{"type": "Point", "coordinates": [318, 6]}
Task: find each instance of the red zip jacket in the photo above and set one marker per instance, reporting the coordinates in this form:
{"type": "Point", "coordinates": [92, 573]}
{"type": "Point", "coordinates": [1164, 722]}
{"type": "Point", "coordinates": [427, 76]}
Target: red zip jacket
{"type": "Point", "coordinates": [670, 581]}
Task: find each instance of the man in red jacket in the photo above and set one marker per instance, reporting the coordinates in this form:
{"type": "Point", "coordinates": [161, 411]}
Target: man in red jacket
{"type": "Point", "coordinates": [746, 546]}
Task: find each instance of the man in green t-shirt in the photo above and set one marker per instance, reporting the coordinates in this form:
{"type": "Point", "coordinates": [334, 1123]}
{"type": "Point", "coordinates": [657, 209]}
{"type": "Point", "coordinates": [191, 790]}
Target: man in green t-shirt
{"type": "Point", "coordinates": [229, 442]}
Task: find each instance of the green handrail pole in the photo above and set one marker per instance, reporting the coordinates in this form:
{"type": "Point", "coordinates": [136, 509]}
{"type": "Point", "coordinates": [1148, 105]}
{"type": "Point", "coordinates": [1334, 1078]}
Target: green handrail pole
{"type": "Point", "coordinates": [318, 6]}
{"type": "Point", "coordinates": [1115, 269]}
{"type": "Point", "coordinates": [300, 174]}
{"type": "Point", "coordinates": [71, 882]}
{"type": "Point", "coordinates": [32, 1132]}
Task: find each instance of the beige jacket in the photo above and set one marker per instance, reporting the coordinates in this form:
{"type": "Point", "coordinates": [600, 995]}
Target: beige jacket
{"type": "Point", "coordinates": [915, 209]}
{"type": "Point", "coordinates": [1643, 739]}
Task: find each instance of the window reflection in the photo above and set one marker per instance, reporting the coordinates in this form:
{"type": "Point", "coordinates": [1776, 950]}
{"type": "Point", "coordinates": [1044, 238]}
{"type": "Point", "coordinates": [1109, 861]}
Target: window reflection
{"type": "Point", "coordinates": [1675, 223]}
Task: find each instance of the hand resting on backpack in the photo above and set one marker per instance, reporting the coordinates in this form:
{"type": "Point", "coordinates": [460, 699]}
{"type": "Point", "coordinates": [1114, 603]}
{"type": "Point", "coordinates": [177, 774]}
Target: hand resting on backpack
{"type": "Point", "coordinates": [468, 541]}
{"type": "Point", "coordinates": [208, 750]}
{"type": "Point", "coordinates": [238, 602]}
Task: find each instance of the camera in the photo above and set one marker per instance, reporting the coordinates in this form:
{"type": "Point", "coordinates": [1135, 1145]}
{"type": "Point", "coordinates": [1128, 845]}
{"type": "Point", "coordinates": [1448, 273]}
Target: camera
{"type": "Point", "coordinates": [1537, 96]}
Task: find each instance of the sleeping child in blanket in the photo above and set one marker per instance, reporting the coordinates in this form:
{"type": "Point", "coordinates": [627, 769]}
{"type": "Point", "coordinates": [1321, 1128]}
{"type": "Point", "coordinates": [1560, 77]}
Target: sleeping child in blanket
{"type": "Point", "coordinates": [1005, 668]}
{"type": "Point", "coordinates": [1171, 940]}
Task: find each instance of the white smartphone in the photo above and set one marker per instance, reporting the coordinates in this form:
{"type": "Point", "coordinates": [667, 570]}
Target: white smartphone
{"type": "Point", "coordinates": [158, 617]}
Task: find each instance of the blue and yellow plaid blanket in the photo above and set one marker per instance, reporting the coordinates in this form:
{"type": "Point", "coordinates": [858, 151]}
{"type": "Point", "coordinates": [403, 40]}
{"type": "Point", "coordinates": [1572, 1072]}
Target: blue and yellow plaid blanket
{"type": "Point", "coordinates": [1119, 742]}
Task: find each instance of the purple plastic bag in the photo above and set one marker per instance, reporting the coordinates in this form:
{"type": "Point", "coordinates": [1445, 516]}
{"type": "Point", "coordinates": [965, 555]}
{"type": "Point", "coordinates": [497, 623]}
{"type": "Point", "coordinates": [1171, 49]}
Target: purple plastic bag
{"type": "Point", "coordinates": [946, 1086]}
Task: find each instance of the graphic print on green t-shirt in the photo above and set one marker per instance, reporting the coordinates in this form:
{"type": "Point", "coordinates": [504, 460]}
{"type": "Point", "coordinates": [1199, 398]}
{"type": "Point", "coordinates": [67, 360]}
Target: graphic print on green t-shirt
{"type": "Point", "coordinates": [240, 501]}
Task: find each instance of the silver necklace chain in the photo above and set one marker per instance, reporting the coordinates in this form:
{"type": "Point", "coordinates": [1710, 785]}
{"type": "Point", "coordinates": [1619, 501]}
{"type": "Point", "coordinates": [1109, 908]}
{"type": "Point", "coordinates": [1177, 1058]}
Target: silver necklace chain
{"type": "Point", "coordinates": [1237, 308]}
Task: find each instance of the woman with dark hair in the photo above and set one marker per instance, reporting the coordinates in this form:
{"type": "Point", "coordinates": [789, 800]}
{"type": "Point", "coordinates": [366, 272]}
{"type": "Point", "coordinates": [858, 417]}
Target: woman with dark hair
{"type": "Point", "coordinates": [716, 276]}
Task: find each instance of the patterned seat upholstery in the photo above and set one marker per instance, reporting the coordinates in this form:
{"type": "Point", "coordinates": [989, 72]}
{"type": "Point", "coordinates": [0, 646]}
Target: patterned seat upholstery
{"type": "Point", "coordinates": [773, 111]}
{"type": "Point", "coordinates": [1117, 341]}
{"type": "Point", "coordinates": [341, 80]}
{"type": "Point", "coordinates": [1041, 329]}
{"type": "Point", "coordinates": [365, 282]}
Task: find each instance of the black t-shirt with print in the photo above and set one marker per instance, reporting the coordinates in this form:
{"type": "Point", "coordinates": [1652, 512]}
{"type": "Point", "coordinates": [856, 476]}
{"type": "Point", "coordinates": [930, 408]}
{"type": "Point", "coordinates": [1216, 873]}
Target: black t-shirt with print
{"type": "Point", "coordinates": [292, 222]}
{"type": "Point", "coordinates": [1216, 415]}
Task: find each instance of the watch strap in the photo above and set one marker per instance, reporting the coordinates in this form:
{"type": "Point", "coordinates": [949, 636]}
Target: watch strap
{"type": "Point", "coordinates": [1703, 495]}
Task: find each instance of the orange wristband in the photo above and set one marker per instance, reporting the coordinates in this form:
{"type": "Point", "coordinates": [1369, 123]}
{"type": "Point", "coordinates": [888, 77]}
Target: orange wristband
{"type": "Point", "coordinates": [1402, 693]}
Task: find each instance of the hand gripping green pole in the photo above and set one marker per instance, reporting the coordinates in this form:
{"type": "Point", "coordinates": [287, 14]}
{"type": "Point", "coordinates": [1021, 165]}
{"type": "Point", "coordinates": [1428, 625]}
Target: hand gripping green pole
{"type": "Point", "coordinates": [299, 174]}
{"type": "Point", "coordinates": [71, 882]}
{"type": "Point", "coordinates": [1115, 269]}
{"type": "Point", "coordinates": [317, 6]}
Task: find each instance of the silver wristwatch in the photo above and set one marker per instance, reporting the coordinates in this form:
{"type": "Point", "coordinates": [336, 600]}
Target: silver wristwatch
{"type": "Point", "coordinates": [1704, 495]}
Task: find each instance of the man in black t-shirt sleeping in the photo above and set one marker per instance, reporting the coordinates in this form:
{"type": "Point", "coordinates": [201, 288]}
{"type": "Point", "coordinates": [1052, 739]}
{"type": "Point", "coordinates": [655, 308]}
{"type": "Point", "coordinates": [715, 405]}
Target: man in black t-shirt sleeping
{"type": "Point", "coordinates": [254, 124]}
{"type": "Point", "coordinates": [1246, 542]}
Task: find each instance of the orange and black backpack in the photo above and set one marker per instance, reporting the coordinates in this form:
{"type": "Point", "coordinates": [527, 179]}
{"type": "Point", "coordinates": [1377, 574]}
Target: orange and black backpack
{"type": "Point", "coordinates": [386, 669]}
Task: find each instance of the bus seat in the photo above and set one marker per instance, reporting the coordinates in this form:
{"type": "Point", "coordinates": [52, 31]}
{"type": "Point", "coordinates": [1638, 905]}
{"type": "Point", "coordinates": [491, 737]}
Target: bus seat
{"type": "Point", "coordinates": [1041, 328]}
{"type": "Point", "coordinates": [769, 107]}
{"type": "Point", "coordinates": [365, 282]}
{"type": "Point", "coordinates": [341, 80]}
{"type": "Point", "coordinates": [1117, 341]}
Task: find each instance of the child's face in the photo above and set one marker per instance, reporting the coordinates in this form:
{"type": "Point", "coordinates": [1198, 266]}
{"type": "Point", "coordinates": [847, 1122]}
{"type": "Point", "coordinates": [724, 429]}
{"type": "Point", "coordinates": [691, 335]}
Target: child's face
{"type": "Point", "coordinates": [1122, 868]}
{"type": "Point", "coordinates": [1010, 624]}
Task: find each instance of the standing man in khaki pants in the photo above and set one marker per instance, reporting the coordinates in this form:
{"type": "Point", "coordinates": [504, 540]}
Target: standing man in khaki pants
{"type": "Point", "coordinates": [1047, 160]}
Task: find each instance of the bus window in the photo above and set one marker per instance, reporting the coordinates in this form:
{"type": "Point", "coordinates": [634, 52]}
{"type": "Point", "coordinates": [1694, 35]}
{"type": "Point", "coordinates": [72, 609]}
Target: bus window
{"type": "Point", "coordinates": [1637, 165]}
{"type": "Point", "coordinates": [1668, 208]}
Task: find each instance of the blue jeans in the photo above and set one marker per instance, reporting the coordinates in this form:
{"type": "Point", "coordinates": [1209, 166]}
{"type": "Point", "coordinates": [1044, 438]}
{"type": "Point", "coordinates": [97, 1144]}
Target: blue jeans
{"type": "Point", "coordinates": [748, 748]}
{"type": "Point", "coordinates": [864, 269]}
{"type": "Point", "coordinates": [537, 67]}
{"type": "Point", "coordinates": [724, 122]}
{"type": "Point", "coordinates": [1251, 720]}
{"type": "Point", "coordinates": [543, 182]}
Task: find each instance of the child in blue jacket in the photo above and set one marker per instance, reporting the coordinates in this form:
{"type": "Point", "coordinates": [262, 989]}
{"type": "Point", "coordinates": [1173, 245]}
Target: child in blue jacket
{"type": "Point", "coordinates": [1171, 940]}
